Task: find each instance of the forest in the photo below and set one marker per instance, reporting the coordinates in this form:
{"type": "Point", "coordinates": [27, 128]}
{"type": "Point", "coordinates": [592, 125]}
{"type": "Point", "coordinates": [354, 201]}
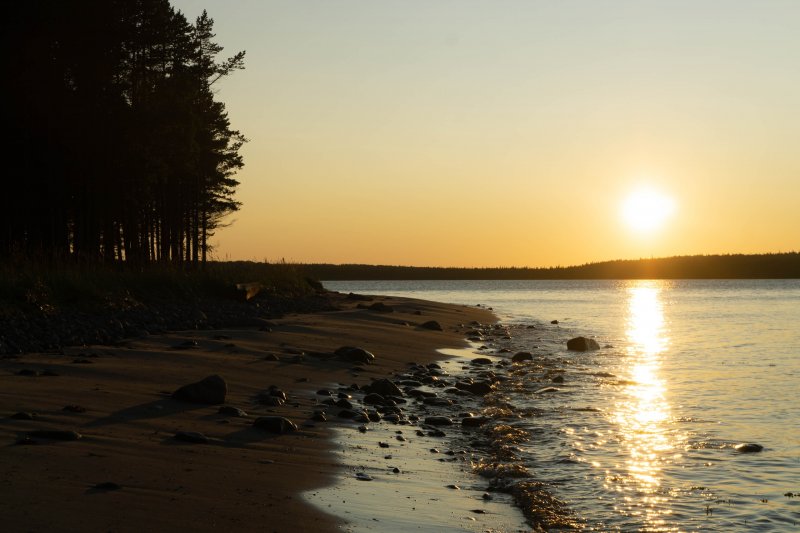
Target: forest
{"type": "Point", "coordinates": [734, 266]}
{"type": "Point", "coordinates": [118, 150]}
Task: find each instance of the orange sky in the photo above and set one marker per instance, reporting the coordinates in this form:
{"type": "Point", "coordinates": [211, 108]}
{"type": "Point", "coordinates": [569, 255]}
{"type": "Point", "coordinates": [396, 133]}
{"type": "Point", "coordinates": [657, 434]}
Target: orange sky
{"type": "Point", "coordinates": [509, 133]}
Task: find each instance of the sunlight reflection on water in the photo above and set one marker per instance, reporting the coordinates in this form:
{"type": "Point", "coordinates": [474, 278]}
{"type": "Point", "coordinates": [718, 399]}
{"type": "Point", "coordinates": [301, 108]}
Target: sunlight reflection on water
{"type": "Point", "coordinates": [642, 413]}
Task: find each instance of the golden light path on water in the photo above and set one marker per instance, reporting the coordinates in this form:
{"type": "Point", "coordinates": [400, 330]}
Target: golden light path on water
{"type": "Point", "coordinates": [642, 413]}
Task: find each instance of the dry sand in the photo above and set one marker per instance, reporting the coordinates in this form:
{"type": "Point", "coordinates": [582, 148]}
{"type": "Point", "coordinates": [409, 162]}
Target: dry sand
{"type": "Point", "coordinates": [244, 479]}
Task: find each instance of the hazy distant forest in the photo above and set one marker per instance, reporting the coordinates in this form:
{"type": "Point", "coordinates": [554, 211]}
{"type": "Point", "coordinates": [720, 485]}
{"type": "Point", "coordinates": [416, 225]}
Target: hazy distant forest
{"type": "Point", "coordinates": [116, 148]}
{"type": "Point", "coordinates": [737, 266]}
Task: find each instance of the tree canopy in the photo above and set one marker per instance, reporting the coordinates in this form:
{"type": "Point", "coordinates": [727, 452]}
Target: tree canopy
{"type": "Point", "coordinates": [118, 149]}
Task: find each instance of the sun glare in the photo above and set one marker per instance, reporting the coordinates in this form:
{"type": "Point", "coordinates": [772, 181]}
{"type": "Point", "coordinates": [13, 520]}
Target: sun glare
{"type": "Point", "coordinates": [646, 210]}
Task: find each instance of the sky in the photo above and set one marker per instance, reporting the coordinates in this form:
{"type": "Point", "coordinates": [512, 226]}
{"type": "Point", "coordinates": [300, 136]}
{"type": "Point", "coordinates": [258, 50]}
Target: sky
{"type": "Point", "coordinates": [510, 132]}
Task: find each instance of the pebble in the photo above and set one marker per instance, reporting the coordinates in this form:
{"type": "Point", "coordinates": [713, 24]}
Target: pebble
{"type": "Point", "coordinates": [194, 437]}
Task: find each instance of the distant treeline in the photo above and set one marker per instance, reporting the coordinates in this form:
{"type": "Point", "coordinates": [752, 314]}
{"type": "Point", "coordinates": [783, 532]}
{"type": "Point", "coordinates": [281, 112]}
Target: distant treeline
{"type": "Point", "coordinates": [762, 266]}
{"type": "Point", "coordinates": [116, 149]}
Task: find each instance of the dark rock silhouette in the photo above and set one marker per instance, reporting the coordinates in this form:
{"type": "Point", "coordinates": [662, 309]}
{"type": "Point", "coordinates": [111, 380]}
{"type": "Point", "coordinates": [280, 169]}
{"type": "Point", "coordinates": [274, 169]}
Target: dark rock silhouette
{"type": "Point", "coordinates": [211, 390]}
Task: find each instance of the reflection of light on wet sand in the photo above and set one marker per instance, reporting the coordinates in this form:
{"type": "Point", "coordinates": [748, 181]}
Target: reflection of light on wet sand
{"type": "Point", "coordinates": [642, 412]}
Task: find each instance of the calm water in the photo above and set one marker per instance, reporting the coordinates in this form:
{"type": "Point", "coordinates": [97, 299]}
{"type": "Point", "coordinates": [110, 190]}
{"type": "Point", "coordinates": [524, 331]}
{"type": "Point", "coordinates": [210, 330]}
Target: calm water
{"type": "Point", "coordinates": [640, 436]}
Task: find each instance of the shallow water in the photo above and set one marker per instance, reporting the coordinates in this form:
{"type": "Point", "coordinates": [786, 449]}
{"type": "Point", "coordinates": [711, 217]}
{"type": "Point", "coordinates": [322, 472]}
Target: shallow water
{"type": "Point", "coordinates": [640, 435]}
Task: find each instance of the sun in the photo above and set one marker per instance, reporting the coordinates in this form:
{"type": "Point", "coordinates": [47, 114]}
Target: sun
{"type": "Point", "coordinates": [646, 210]}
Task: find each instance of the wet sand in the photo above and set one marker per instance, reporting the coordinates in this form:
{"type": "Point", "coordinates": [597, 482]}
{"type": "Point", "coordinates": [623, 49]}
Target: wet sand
{"type": "Point", "coordinates": [129, 473]}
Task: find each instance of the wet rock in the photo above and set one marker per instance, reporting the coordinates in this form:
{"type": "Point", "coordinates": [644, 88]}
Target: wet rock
{"type": "Point", "coordinates": [193, 437]}
{"type": "Point", "coordinates": [275, 424]}
{"type": "Point", "coordinates": [474, 421]}
{"type": "Point", "coordinates": [438, 421]}
{"type": "Point", "coordinates": [546, 390]}
{"type": "Point", "coordinates": [479, 388]}
{"type": "Point", "coordinates": [554, 321]}
{"type": "Point", "coordinates": [749, 447]}
{"type": "Point", "coordinates": [229, 410]}
{"type": "Point", "coordinates": [271, 357]}
{"type": "Point", "coordinates": [384, 387]}
{"type": "Point", "coordinates": [72, 408]}
{"type": "Point", "coordinates": [582, 344]}
{"type": "Point", "coordinates": [22, 415]}
{"type": "Point", "coordinates": [374, 399]}
{"type": "Point", "coordinates": [558, 379]}
{"type": "Point", "coordinates": [344, 404]}
{"type": "Point", "coordinates": [28, 372]}
{"type": "Point", "coordinates": [438, 402]}
{"type": "Point", "coordinates": [211, 390]}
{"type": "Point", "coordinates": [481, 361]}
{"type": "Point", "coordinates": [361, 476]}
{"type": "Point", "coordinates": [431, 325]}
{"type": "Point", "coordinates": [324, 392]}
{"type": "Point", "coordinates": [381, 307]}
{"type": "Point", "coordinates": [319, 416]}
{"type": "Point", "coordinates": [522, 356]}
{"type": "Point", "coordinates": [354, 354]}
{"type": "Point", "coordinates": [383, 444]}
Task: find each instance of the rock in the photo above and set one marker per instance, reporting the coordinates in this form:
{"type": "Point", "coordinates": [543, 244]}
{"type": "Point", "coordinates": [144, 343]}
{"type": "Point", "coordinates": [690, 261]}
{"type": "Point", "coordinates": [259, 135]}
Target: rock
{"type": "Point", "coordinates": [108, 485]}
{"type": "Point", "coordinates": [432, 325]}
{"type": "Point", "coordinates": [522, 356]}
{"type": "Point", "coordinates": [749, 447]}
{"type": "Point", "coordinates": [23, 416]}
{"type": "Point", "coordinates": [481, 361]}
{"type": "Point", "coordinates": [383, 444]}
{"type": "Point", "coordinates": [275, 424]}
{"type": "Point", "coordinates": [480, 388]}
{"type": "Point", "coordinates": [211, 390]}
{"type": "Point", "coordinates": [381, 307]}
{"type": "Point", "coordinates": [354, 354]}
{"type": "Point", "coordinates": [271, 357]}
{"type": "Point", "coordinates": [74, 408]}
{"type": "Point", "coordinates": [438, 421]}
{"type": "Point", "coordinates": [319, 416]}
{"type": "Point", "coordinates": [229, 410]}
{"type": "Point", "coordinates": [546, 390]}
{"type": "Point", "coordinates": [186, 345]}
{"type": "Point", "coordinates": [384, 387]}
{"type": "Point", "coordinates": [53, 434]}
{"type": "Point", "coordinates": [558, 379]}
{"type": "Point", "coordinates": [554, 321]}
{"type": "Point", "coordinates": [474, 421]}
{"type": "Point", "coordinates": [194, 437]}
{"type": "Point", "coordinates": [361, 476]}
{"type": "Point", "coordinates": [374, 399]}
{"type": "Point", "coordinates": [582, 344]}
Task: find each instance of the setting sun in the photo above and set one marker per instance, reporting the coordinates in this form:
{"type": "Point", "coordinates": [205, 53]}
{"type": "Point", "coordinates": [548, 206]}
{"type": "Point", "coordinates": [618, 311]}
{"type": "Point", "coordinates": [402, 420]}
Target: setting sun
{"type": "Point", "coordinates": [646, 210]}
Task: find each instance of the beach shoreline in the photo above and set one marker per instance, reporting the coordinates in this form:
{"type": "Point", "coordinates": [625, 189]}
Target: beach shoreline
{"type": "Point", "coordinates": [128, 472]}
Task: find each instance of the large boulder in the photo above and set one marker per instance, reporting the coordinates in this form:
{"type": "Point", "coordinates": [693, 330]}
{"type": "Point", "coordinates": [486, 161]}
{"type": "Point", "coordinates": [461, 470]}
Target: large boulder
{"type": "Point", "coordinates": [582, 344]}
{"type": "Point", "coordinates": [211, 390]}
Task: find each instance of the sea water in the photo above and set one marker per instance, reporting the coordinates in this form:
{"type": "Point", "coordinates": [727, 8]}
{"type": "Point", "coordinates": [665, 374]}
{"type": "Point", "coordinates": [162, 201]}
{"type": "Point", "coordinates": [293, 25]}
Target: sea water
{"type": "Point", "coordinates": [641, 434]}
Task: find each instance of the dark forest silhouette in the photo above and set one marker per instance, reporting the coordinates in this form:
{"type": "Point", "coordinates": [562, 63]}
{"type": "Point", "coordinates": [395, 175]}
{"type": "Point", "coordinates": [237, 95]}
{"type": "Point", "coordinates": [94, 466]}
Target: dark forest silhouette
{"type": "Point", "coordinates": [737, 266]}
{"type": "Point", "coordinates": [118, 150]}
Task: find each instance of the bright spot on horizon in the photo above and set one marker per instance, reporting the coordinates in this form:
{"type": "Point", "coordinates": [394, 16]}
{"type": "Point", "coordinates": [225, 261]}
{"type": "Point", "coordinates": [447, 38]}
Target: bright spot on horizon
{"type": "Point", "coordinates": [646, 210]}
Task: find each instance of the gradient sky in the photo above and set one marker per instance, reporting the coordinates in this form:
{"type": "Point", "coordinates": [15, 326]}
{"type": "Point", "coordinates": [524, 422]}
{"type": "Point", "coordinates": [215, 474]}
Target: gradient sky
{"type": "Point", "coordinates": [509, 133]}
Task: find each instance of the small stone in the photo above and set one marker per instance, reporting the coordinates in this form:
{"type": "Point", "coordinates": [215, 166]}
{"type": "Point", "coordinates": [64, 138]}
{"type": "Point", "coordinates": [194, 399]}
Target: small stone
{"type": "Point", "coordinates": [194, 437]}
{"type": "Point", "coordinates": [275, 424]}
{"type": "Point", "coordinates": [107, 485]}
{"type": "Point", "coordinates": [23, 416]}
{"type": "Point", "coordinates": [438, 421]}
{"type": "Point", "coordinates": [522, 356]}
{"type": "Point", "coordinates": [74, 408]}
{"type": "Point", "coordinates": [229, 410]}
{"type": "Point", "coordinates": [431, 325]}
{"type": "Point", "coordinates": [211, 390]}
{"type": "Point", "coordinates": [383, 444]}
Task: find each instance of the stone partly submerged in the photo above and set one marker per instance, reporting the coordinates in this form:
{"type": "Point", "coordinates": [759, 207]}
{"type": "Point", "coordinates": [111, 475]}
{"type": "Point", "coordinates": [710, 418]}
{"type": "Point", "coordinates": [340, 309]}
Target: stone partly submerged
{"type": "Point", "coordinates": [748, 447]}
{"type": "Point", "coordinates": [582, 344]}
{"type": "Point", "coordinates": [211, 390]}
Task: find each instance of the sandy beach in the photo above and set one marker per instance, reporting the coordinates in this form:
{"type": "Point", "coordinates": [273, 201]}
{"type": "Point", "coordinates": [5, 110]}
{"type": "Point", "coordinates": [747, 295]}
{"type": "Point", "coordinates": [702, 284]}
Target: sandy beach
{"type": "Point", "coordinates": [129, 472]}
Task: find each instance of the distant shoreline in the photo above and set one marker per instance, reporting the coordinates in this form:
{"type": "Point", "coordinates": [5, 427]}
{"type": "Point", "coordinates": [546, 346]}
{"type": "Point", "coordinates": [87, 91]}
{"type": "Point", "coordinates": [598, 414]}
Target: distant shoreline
{"type": "Point", "coordinates": [738, 266]}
